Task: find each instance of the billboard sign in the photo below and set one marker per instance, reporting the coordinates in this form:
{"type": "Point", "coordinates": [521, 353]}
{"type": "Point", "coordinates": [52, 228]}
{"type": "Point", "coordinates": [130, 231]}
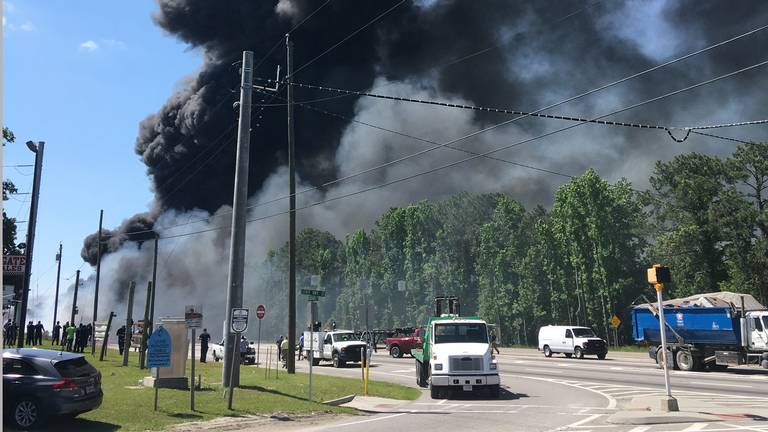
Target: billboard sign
{"type": "Point", "coordinates": [14, 264]}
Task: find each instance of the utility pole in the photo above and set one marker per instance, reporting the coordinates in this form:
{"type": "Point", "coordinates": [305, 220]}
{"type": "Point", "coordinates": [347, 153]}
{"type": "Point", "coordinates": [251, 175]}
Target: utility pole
{"type": "Point", "coordinates": [239, 203]}
{"type": "Point", "coordinates": [74, 300]}
{"type": "Point", "coordinates": [96, 289]}
{"type": "Point", "coordinates": [129, 324]}
{"type": "Point", "coordinates": [58, 278]}
{"type": "Point", "coordinates": [151, 324]}
{"type": "Point", "coordinates": [292, 211]}
{"type": "Point", "coordinates": [143, 350]}
{"type": "Point", "coordinates": [31, 225]}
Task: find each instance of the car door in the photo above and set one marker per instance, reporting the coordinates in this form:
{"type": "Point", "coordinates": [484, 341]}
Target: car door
{"type": "Point", "coordinates": [18, 377]}
{"type": "Point", "coordinates": [757, 338]}
{"type": "Point", "coordinates": [327, 347]}
{"type": "Point", "coordinates": [568, 341]}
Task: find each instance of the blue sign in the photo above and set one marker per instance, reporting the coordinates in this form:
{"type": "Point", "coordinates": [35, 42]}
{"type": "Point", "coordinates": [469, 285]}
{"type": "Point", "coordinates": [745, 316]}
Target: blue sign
{"type": "Point", "coordinates": [159, 349]}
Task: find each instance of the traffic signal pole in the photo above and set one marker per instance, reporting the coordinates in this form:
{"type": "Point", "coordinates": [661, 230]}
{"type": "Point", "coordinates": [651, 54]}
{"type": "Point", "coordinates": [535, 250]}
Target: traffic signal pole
{"type": "Point", "coordinates": [291, 365]}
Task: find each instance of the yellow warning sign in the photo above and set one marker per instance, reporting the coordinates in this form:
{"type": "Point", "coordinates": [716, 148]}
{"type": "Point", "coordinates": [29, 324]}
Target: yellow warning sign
{"type": "Point", "coordinates": [615, 322]}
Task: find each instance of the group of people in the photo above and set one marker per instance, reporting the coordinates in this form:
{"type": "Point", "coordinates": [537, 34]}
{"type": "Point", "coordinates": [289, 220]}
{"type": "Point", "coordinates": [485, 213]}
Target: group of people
{"type": "Point", "coordinates": [34, 334]}
{"type": "Point", "coordinates": [71, 337]}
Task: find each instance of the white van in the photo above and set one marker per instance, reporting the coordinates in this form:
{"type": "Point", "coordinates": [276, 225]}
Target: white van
{"type": "Point", "coordinates": [571, 341]}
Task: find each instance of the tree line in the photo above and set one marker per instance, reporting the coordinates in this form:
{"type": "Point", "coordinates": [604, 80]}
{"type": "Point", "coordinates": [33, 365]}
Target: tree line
{"type": "Point", "coordinates": [580, 263]}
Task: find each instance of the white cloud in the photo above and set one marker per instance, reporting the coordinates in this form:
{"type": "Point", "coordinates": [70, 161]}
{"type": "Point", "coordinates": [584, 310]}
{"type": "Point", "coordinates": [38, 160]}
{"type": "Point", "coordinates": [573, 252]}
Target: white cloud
{"type": "Point", "coordinates": [27, 27]}
{"type": "Point", "coordinates": [89, 46]}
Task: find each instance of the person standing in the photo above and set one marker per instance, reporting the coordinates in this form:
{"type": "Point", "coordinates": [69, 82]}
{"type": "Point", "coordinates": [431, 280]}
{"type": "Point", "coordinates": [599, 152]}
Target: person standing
{"type": "Point", "coordinates": [278, 342]}
{"type": "Point", "coordinates": [14, 334]}
{"type": "Point", "coordinates": [31, 333]}
{"type": "Point", "coordinates": [70, 337]}
{"type": "Point", "coordinates": [64, 334]}
{"type": "Point", "coordinates": [88, 334]}
{"type": "Point", "coordinates": [284, 352]}
{"type": "Point", "coordinates": [243, 349]}
{"type": "Point", "coordinates": [7, 333]}
{"type": "Point", "coordinates": [121, 339]}
{"type": "Point", "coordinates": [494, 344]}
{"type": "Point", "coordinates": [204, 338]}
{"type": "Point", "coordinates": [56, 334]}
{"type": "Point", "coordinates": [301, 346]}
{"type": "Point", "coordinates": [39, 330]}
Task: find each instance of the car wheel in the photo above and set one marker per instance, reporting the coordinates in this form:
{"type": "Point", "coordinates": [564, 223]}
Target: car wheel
{"type": "Point", "coordinates": [395, 352]}
{"type": "Point", "coordinates": [547, 351]}
{"type": "Point", "coordinates": [602, 355]}
{"type": "Point", "coordinates": [578, 353]}
{"type": "Point", "coordinates": [26, 414]}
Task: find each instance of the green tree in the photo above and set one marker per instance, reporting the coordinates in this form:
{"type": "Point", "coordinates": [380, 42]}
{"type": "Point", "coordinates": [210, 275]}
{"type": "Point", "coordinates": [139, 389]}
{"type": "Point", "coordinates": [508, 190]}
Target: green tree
{"type": "Point", "coordinates": [9, 224]}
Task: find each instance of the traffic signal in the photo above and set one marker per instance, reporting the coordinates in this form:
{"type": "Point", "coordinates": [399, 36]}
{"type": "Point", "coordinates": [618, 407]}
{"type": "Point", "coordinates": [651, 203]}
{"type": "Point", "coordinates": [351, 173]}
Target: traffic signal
{"type": "Point", "coordinates": [658, 274]}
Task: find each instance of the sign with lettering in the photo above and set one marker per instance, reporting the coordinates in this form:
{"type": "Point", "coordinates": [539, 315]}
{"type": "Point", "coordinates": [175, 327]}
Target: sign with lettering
{"type": "Point", "coordinates": [14, 264]}
{"type": "Point", "coordinates": [239, 320]}
{"type": "Point", "coordinates": [193, 314]}
{"type": "Point", "coordinates": [159, 349]}
{"type": "Point", "coordinates": [260, 311]}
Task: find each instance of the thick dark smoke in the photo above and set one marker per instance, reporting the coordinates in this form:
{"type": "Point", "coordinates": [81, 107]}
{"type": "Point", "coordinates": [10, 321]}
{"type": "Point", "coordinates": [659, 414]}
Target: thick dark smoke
{"type": "Point", "coordinates": [536, 59]}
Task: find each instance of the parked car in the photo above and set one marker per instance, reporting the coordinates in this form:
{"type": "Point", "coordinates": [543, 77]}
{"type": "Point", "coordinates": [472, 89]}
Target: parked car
{"type": "Point", "coordinates": [571, 341]}
{"type": "Point", "coordinates": [39, 384]}
{"type": "Point", "coordinates": [403, 343]}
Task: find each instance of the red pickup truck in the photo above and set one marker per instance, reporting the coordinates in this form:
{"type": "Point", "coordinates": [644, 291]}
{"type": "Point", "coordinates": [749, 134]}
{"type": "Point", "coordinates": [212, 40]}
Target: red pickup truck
{"type": "Point", "coordinates": [404, 343]}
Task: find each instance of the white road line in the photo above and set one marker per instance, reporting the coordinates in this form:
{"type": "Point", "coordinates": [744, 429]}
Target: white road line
{"type": "Point", "coordinates": [744, 427]}
{"type": "Point", "coordinates": [446, 400]}
{"type": "Point", "coordinates": [369, 420]}
{"type": "Point", "coordinates": [582, 421]}
{"type": "Point", "coordinates": [721, 384]}
{"type": "Point", "coordinates": [620, 368]}
{"type": "Point", "coordinates": [543, 370]}
{"type": "Point", "coordinates": [639, 429]}
{"type": "Point", "coordinates": [695, 427]}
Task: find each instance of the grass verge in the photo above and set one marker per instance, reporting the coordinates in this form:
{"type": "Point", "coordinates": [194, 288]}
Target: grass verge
{"type": "Point", "coordinates": [129, 407]}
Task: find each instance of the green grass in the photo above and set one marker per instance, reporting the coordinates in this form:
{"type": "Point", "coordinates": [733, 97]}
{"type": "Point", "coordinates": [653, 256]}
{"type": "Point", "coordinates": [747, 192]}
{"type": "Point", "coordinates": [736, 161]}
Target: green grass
{"type": "Point", "coordinates": [130, 409]}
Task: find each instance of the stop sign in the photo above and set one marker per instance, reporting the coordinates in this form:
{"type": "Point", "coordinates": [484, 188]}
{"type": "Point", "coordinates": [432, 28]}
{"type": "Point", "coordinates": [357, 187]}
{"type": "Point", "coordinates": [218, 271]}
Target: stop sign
{"type": "Point", "coordinates": [260, 311]}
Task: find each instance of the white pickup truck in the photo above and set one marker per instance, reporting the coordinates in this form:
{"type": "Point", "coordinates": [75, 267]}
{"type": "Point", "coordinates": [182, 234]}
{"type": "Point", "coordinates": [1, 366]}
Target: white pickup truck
{"type": "Point", "coordinates": [340, 347]}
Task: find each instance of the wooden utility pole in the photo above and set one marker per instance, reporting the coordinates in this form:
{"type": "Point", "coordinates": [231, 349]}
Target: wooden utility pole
{"type": "Point", "coordinates": [292, 215]}
{"type": "Point", "coordinates": [74, 300]}
{"type": "Point", "coordinates": [230, 373]}
{"type": "Point", "coordinates": [128, 322]}
{"type": "Point", "coordinates": [58, 279]}
{"type": "Point", "coordinates": [96, 288]}
{"type": "Point", "coordinates": [105, 342]}
{"type": "Point", "coordinates": [154, 287]}
{"type": "Point", "coordinates": [143, 349]}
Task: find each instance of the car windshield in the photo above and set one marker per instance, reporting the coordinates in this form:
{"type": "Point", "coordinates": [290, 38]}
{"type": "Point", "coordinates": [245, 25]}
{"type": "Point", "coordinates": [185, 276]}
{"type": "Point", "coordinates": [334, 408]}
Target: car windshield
{"type": "Point", "coordinates": [75, 368]}
{"type": "Point", "coordinates": [765, 321]}
{"type": "Point", "coordinates": [461, 333]}
{"type": "Point", "coordinates": [344, 337]}
{"type": "Point", "coordinates": [583, 332]}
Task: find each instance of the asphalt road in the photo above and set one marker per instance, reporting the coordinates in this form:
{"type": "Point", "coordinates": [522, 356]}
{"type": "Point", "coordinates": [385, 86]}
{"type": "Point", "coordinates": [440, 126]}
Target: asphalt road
{"type": "Point", "coordinates": [544, 394]}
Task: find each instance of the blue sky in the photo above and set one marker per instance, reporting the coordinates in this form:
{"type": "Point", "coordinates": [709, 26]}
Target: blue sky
{"type": "Point", "coordinates": [81, 76]}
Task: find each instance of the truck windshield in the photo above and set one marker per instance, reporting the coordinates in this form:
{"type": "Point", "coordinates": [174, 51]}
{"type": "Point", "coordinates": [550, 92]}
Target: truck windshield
{"type": "Point", "coordinates": [344, 337]}
{"type": "Point", "coordinates": [765, 321]}
{"type": "Point", "coordinates": [582, 332]}
{"type": "Point", "coordinates": [461, 333]}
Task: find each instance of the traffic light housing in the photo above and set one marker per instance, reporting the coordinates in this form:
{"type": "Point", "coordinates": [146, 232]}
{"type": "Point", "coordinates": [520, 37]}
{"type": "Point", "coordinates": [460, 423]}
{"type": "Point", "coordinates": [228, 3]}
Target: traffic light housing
{"type": "Point", "coordinates": [658, 274]}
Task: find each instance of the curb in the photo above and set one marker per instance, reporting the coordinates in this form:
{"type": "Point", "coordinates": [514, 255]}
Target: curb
{"type": "Point", "coordinates": [623, 419]}
{"type": "Point", "coordinates": [340, 401]}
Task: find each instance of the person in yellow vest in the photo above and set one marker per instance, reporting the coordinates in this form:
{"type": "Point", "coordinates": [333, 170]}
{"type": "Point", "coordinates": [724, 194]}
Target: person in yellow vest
{"type": "Point", "coordinates": [70, 337]}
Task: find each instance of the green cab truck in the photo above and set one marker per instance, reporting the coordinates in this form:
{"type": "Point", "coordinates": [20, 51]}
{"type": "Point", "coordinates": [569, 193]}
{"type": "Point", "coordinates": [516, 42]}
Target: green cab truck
{"type": "Point", "coordinates": [456, 354]}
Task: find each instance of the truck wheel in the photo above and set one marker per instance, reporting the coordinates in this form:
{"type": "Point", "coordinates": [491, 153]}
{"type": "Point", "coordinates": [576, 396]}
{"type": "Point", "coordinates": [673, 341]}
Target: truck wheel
{"type": "Point", "coordinates": [685, 360]}
{"type": "Point", "coordinates": [547, 351]}
{"type": "Point", "coordinates": [602, 355]}
{"type": "Point", "coordinates": [435, 392]}
{"type": "Point", "coordinates": [395, 352]}
{"type": "Point", "coordinates": [578, 353]}
{"type": "Point", "coordinates": [337, 361]}
{"type": "Point", "coordinates": [764, 364]}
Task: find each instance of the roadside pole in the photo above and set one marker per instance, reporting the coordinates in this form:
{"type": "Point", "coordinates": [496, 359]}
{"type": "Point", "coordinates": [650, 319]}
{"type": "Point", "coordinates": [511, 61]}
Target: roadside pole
{"type": "Point", "coordinates": [106, 336]}
{"type": "Point", "coordinates": [239, 204]}
{"type": "Point", "coordinates": [58, 278]}
{"type": "Point", "coordinates": [231, 373]}
{"type": "Point", "coordinates": [143, 349]}
{"type": "Point", "coordinates": [96, 288]}
{"type": "Point", "coordinates": [128, 319]}
{"type": "Point", "coordinates": [311, 356]}
{"type": "Point", "coordinates": [292, 213]}
{"type": "Point", "coordinates": [74, 299]}
{"type": "Point", "coordinates": [261, 311]}
{"type": "Point", "coordinates": [192, 375]}
{"type": "Point", "coordinates": [657, 275]}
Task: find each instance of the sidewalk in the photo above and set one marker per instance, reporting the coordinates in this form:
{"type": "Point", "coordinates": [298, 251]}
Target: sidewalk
{"type": "Point", "coordinates": [645, 411]}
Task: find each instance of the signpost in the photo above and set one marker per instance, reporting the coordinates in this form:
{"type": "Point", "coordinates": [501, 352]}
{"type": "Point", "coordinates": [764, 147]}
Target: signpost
{"type": "Point", "coordinates": [657, 276]}
{"type": "Point", "coordinates": [615, 323]}
{"type": "Point", "coordinates": [313, 293]}
{"type": "Point", "coordinates": [159, 354]}
{"type": "Point", "coordinates": [239, 325]}
{"type": "Point", "coordinates": [260, 312]}
{"type": "Point", "coordinates": [312, 297]}
{"type": "Point", "coordinates": [193, 315]}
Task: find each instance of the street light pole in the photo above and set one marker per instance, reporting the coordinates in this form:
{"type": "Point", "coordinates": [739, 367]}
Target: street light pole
{"type": "Point", "coordinates": [96, 288]}
{"type": "Point", "coordinates": [37, 149]}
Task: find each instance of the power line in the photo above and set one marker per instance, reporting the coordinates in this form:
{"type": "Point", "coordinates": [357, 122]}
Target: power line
{"type": "Point", "coordinates": [19, 166]}
{"type": "Point", "coordinates": [721, 137]}
{"type": "Point", "coordinates": [378, 17]}
{"type": "Point", "coordinates": [455, 163]}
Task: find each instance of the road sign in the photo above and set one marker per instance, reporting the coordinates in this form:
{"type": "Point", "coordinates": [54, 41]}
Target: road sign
{"type": "Point", "coordinates": [239, 320]}
{"type": "Point", "coordinates": [314, 293]}
{"type": "Point", "coordinates": [615, 322]}
{"type": "Point", "coordinates": [193, 314]}
{"type": "Point", "coordinates": [260, 311]}
{"type": "Point", "coordinates": [401, 285]}
{"type": "Point", "coordinates": [159, 349]}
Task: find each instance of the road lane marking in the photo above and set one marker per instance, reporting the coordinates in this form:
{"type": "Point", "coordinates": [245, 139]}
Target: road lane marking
{"type": "Point", "coordinates": [695, 427]}
{"type": "Point", "coordinates": [582, 421]}
{"type": "Point", "coordinates": [621, 368]}
{"type": "Point", "coordinates": [369, 420]}
{"type": "Point", "coordinates": [721, 384]}
{"type": "Point", "coordinates": [543, 370]}
{"type": "Point", "coordinates": [639, 429]}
